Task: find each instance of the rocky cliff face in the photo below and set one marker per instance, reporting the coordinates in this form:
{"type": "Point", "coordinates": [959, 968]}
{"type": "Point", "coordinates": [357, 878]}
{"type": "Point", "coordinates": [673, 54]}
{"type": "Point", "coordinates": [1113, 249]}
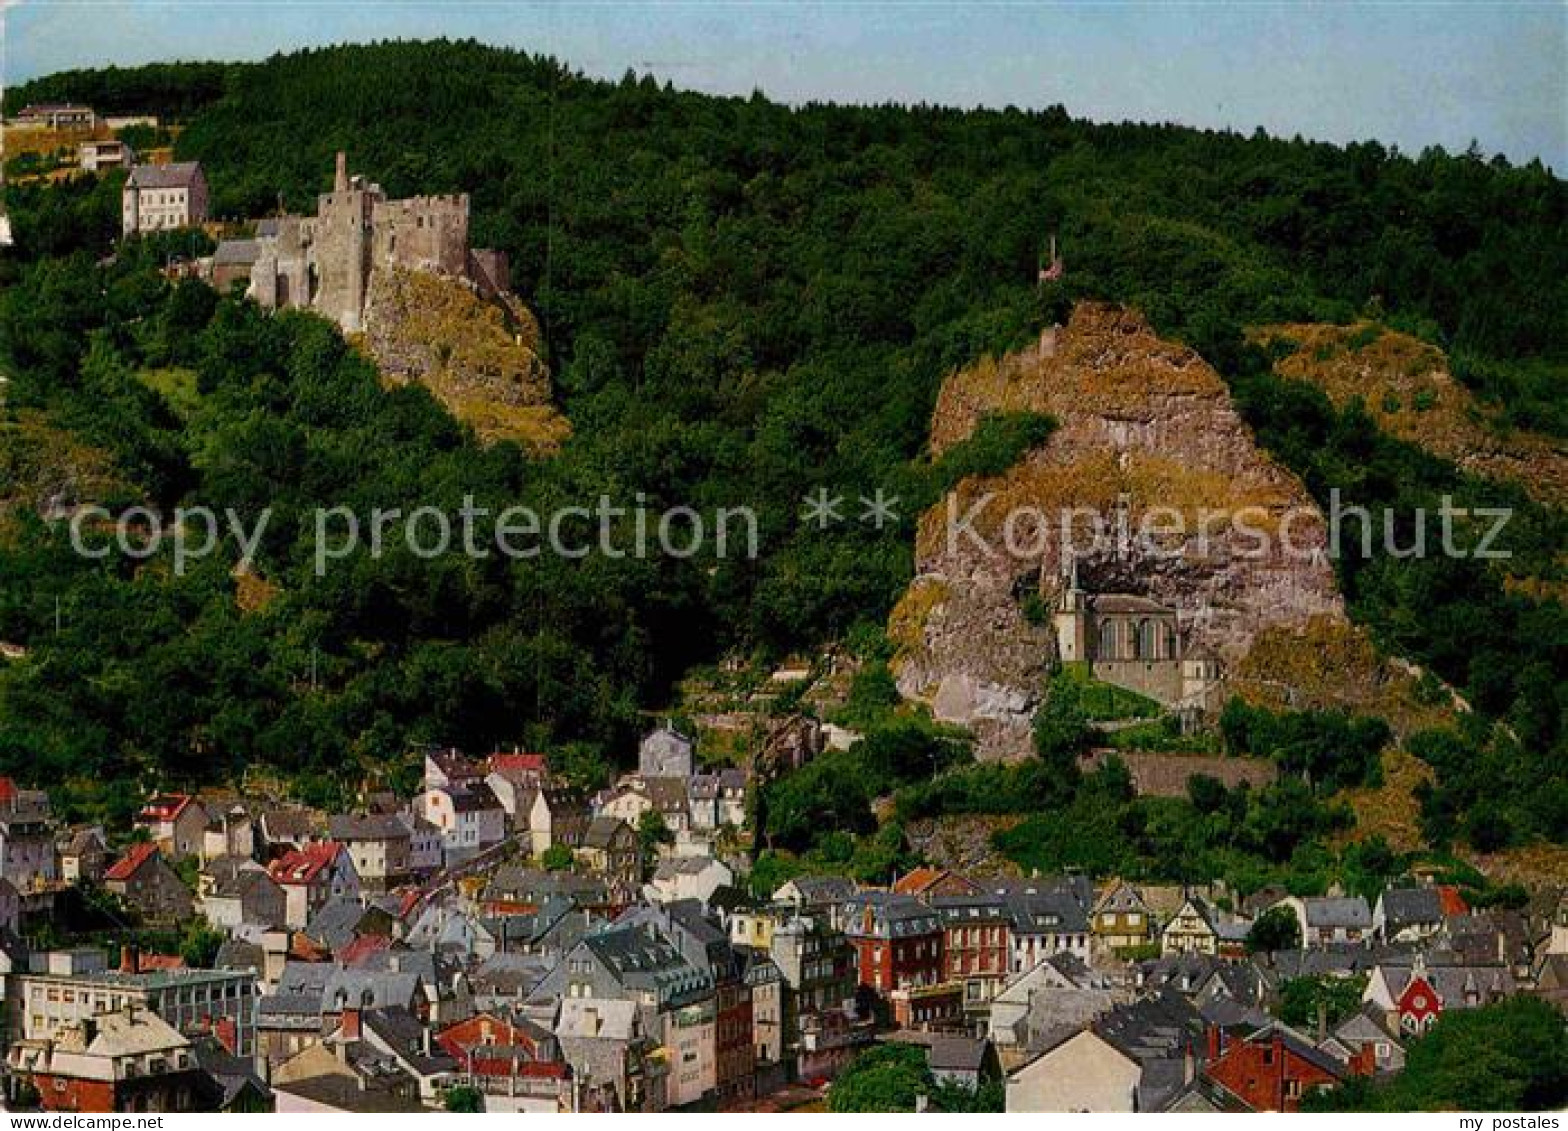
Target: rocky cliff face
{"type": "Point", "coordinates": [478, 358]}
{"type": "Point", "coordinates": [1151, 481]}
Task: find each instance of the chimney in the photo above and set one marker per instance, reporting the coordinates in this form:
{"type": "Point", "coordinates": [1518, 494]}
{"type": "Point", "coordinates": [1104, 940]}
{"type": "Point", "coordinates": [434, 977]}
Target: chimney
{"type": "Point", "coordinates": [340, 182]}
{"type": "Point", "coordinates": [349, 1024]}
{"type": "Point", "coordinates": [1215, 1043]}
{"type": "Point", "coordinates": [130, 959]}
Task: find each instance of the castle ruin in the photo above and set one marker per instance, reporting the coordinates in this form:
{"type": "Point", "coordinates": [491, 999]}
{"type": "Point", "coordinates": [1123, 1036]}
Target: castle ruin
{"type": "Point", "coordinates": [326, 262]}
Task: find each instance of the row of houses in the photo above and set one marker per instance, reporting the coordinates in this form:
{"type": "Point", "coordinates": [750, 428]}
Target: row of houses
{"type": "Point", "coordinates": [500, 933]}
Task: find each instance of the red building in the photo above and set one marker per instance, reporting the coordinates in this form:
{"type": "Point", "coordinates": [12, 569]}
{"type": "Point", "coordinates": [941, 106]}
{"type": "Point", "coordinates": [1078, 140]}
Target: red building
{"type": "Point", "coordinates": [735, 1079]}
{"type": "Point", "coordinates": [897, 940]}
{"type": "Point", "coordinates": [977, 944]}
{"type": "Point", "coordinates": [1419, 1004]}
{"type": "Point", "coordinates": [509, 1058]}
{"type": "Point", "coordinates": [1271, 1069]}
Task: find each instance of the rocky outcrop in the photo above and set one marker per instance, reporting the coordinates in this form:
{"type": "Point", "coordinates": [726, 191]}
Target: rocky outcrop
{"type": "Point", "coordinates": [1151, 481]}
{"type": "Point", "coordinates": [1408, 390]}
{"type": "Point", "coordinates": [478, 357]}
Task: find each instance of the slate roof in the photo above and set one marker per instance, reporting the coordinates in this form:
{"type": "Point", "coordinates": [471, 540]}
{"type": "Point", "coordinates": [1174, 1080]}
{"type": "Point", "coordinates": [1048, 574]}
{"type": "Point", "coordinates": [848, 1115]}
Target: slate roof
{"type": "Point", "coordinates": [404, 1033]}
{"type": "Point", "coordinates": [957, 1054]}
{"type": "Point", "coordinates": [817, 890]}
{"type": "Point", "coordinates": [509, 975]}
{"type": "Point", "coordinates": [1410, 907]}
{"type": "Point", "coordinates": [641, 958]}
{"type": "Point", "coordinates": [347, 1094]}
{"type": "Point", "coordinates": [231, 1074]}
{"type": "Point", "coordinates": [1336, 912]}
{"type": "Point", "coordinates": [1047, 912]}
{"type": "Point", "coordinates": [181, 174]}
{"type": "Point", "coordinates": [881, 914]}
{"type": "Point", "coordinates": [236, 253]}
{"type": "Point", "coordinates": [378, 826]}
{"type": "Point", "coordinates": [673, 866]}
{"type": "Point", "coordinates": [602, 832]}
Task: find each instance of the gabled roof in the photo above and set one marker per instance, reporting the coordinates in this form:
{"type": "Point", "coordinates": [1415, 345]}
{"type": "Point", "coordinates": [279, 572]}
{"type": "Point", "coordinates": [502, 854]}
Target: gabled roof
{"type": "Point", "coordinates": [917, 881]}
{"type": "Point", "coordinates": [1156, 1027]}
{"type": "Point", "coordinates": [1046, 912]}
{"type": "Point", "coordinates": [958, 1054]}
{"type": "Point", "coordinates": [236, 253]}
{"type": "Point", "coordinates": [1406, 907]}
{"type": "Point", "coordinates": [1347, 912]}
{"type": "Point", "coordinates": [518, 763]}
{"type": "Point", "coordinates": [165, 807]}
{"type": "Point", "coordinates": [132, 862]}
{"type": "Point", "coordinates": [602, 831]}
{"type": "Point", "coordinates": [472, 797]}
{"type": "Point", "coordinates": [304, 865]}
{"type": "Point", "coordinates": [819, 889]}
{"type": "Point", "coordinates": [1297, 1044]}
{"type": "Point", "coordinates": [84, 841]}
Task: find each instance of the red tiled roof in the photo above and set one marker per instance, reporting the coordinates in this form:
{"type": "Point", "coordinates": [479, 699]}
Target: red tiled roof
{"type": "Point", "coordinates": [363, 947]}
{"type": "Point", "coordinates": [488, 1046]}
{"type": "Point", "coordinates": [303, 865]}
{"type": "Point", "coordinates": [306, 949]}
{"type": "Point", "coordinates": [917, 881]}
{"type": "Point", "coordinates": [146, 962]}
{"type": "Point", "coordinates": [129, 864]}
{"type": "Point", "coordinates": [518, 763]}
{"type": "Point", "coordinates": [165, 808]}
{"type": "Point", "coordinates": [1453, 903]}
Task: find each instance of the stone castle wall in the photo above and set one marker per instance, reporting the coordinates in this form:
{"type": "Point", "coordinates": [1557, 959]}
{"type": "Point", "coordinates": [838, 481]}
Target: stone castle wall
{"type": "Point", "coordinates": [423, 233]}
{"type": "Point", "coordinates": [326, 262]}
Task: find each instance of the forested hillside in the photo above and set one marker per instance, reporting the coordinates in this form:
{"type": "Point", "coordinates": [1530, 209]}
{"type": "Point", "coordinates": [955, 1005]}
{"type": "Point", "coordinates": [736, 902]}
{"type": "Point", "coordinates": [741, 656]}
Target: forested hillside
{"type": "Point", "coordinates": [740, 301]}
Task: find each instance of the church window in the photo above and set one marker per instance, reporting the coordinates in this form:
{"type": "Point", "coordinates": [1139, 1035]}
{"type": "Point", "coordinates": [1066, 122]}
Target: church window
{"type": "Point", "coordinates": [1107, 644]}
{"type": "Point", "coordinates": [1145, 645]}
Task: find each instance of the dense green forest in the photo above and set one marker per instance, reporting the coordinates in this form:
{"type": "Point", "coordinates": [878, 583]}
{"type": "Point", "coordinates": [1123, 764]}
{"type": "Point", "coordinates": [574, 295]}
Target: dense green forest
{"type": "Point", "coordinates": [741, 301]}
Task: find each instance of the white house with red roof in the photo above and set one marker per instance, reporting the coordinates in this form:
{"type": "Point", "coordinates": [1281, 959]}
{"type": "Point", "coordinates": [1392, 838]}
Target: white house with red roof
{"type": "Point", "coordinates": [176, 822]}
{"type": "Point", "coordinates": [311, 876]}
